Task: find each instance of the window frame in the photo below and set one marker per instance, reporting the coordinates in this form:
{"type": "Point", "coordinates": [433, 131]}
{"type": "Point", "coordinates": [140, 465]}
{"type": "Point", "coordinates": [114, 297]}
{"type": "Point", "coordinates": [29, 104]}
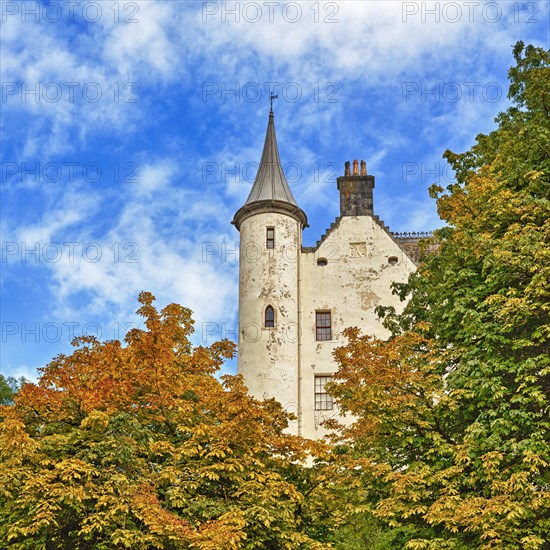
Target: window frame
{"type": "Point", "coordinates": [270, 238]}
{"type": "Point", "coordinates": [269, 308]}
{"type": "Point", "coordinates": [322, 400]}
{"type": "Point", "coordinates": [321, 329]}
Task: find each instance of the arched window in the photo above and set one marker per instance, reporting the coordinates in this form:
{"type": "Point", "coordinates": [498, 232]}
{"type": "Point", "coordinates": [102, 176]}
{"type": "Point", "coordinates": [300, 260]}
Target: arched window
{"type": "Point", "coordinates": [269, 321]}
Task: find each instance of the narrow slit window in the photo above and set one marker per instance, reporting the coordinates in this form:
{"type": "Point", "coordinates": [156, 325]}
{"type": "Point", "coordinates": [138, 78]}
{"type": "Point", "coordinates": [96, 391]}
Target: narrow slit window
{"type": "Point", "coordinates": [270, 238]}
{"type": "Point", "coordinates": [323, 326]}
{"type": "Point", "coordinates": [269, 321]}
{"type": "Point", "coordinates": [323, 400]}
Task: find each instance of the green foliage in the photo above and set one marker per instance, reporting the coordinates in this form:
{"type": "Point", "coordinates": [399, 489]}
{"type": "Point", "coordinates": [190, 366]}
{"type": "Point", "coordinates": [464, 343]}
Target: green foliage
{"type": "Point", "coordinates": [453, 434]}
{"type": "Point", "coordinates": [9, 387]}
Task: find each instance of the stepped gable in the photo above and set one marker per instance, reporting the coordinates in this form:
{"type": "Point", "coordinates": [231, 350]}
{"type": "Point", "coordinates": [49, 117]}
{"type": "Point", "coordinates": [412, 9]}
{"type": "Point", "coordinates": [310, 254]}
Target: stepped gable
{"type": "Point", "coordinates": [356, 199]}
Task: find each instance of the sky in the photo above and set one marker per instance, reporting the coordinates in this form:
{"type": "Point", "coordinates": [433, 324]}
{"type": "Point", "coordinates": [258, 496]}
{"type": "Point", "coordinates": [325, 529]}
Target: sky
{"type": "Point", "coordinates": [131, 133]}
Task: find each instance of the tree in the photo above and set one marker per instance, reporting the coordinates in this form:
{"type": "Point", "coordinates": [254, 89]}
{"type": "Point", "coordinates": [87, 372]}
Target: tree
{"type": "Point", "coordinates": [452, 438]}
{"type": "Point", "coordinates": [8, 388]}
{"type": "Point", "coordinates": [140, 446]}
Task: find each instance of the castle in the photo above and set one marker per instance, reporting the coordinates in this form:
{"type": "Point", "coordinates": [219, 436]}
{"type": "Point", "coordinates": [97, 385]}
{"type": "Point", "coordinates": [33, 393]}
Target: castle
{"type": "Point", "coordinates": [294, 301]}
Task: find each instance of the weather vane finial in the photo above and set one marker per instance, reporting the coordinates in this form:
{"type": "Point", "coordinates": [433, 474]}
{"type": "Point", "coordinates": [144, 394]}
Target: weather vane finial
{"type": "Point", "coordinates": [271, 98]}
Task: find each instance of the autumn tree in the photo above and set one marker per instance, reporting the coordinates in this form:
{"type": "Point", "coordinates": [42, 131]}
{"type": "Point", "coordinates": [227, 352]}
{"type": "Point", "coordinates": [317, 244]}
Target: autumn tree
{"type": "Point", "coordinates": [451, 446]}
{"type": "Point", "coordinates": [141, 446]}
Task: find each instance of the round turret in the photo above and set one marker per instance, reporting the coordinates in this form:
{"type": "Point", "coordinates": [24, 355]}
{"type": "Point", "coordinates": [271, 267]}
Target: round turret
{"type": "Point", "coordinates": [270, 224]}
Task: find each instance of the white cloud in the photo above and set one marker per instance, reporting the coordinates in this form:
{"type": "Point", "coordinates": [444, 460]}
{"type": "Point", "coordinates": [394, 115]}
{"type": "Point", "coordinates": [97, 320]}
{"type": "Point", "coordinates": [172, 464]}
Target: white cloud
{"type": "Point", "coordinates": [137, 253]}
{"type": "Point", "coordinates": [370, 44]}
{"type": "Point", "coordinates": [145, 48]}
{"type": "Point", "coordinates": [154, 178]}
{"type": "Point", "coordinates": [170, 213]}
{"type": "Point", "coordinates": [77, 205]}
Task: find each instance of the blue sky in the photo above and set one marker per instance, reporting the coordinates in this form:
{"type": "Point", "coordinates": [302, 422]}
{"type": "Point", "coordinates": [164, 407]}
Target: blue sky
{"type": "Point", "coordinates": [131, 132]}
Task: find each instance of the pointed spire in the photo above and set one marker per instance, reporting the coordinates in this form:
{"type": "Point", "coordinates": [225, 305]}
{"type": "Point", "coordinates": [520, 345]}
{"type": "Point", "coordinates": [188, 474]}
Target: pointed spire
{"type": "Point", "coordinates": [270, 183]}
{"type": "Point", "coordinates": [270, 191]}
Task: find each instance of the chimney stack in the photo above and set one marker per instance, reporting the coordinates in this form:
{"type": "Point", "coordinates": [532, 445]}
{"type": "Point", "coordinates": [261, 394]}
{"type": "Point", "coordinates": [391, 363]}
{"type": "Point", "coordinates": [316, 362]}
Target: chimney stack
{"type": "Point", "coordinates": [356, 191]}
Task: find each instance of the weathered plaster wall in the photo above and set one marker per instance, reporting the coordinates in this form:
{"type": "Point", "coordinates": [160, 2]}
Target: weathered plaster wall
{"type": "Point", "coordinates": [268, 357]}
{"type": "Point", "coordinates": [282, 362]}
{"type": "Point", "coordinates": [355, 280]}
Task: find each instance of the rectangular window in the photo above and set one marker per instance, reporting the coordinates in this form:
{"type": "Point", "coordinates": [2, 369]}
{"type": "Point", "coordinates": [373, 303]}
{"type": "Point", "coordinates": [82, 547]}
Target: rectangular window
{"type": "Point", "coordinates": [323, 401]}
{"type": "Point", "coordinates": [270, 238]}
{"type": "Point", "coordinates": [323, 331]}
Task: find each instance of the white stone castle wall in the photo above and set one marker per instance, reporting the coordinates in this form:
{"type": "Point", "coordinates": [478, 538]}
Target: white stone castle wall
{"type": "Point", "coordinates": [268, 358]}
{"type": "Point", "coordinates": [282, 362]}
{"type": "Point", "coordinates": [356, 279]}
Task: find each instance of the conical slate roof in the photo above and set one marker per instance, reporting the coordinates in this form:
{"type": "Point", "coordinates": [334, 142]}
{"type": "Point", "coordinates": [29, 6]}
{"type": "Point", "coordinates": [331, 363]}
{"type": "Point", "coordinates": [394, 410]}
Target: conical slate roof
{"type": "Point", "coordinates": [270, 192]}
{"type": "Point", "coordinates": [270, 183]}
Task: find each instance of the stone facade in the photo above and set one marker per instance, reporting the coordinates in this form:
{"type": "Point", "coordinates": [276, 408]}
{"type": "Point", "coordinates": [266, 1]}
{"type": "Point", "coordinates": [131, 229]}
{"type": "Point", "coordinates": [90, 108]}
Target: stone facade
{"type": "Point", "coordinates": [294, 301]}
